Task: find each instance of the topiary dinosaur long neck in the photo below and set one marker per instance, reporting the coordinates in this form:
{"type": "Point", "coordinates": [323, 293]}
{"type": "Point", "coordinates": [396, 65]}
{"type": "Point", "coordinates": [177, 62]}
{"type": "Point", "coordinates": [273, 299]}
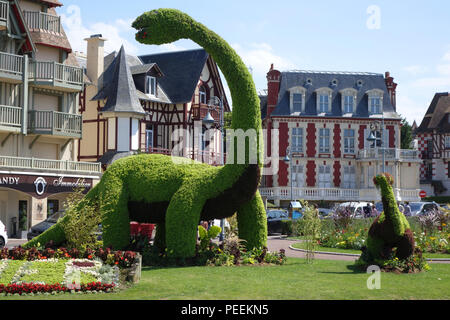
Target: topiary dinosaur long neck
{"type": "Point", "coordinates": [390, 207]}
{"type": "Point", "coordinates": [168, 25]}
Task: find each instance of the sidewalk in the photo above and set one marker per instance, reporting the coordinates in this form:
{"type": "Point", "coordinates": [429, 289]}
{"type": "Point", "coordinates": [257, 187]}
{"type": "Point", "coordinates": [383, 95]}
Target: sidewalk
{"type": "Point", "coordinates": [275, 243]}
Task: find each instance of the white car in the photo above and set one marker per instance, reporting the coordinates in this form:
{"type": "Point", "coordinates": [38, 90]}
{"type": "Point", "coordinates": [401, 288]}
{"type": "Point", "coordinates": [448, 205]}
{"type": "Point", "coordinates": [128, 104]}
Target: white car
{"type": "Point", "coordinates": [358, 209]}
{"type": "Point", "coordinates": [3, 235]}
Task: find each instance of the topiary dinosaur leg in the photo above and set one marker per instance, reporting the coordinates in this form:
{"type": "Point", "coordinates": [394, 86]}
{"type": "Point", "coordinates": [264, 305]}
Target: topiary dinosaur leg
{"type": "Point", "coordinates": [160, 237]}
{"type": "Point", "coordinates": [252, 223]}
{"type": "Point", "coordinates": [182, 217]}
{"type": "Point", "coordinates": [114, 211]}
{"type": "Point", "coordinates": [406, 245]}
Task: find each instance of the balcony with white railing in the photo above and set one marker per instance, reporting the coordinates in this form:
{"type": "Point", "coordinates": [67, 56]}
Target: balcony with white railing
{"type": "Point", "coordinates": [11, 67]}
{"type": "Point", "coordinates": [54, 74]}
{"type": "Point", "coordinates": [335, 194]}
{"type": "Point", "coordinates": [4, 13]}
{"type": "Point", "coordinates": [38, 21]}
{"type": "Point", "coordinates": [10, 118]}
{"type": "Point", "coordinates": [50, 165]}
{"type": "Point", "coordinates": [55, 123]}
{"type": "Point", "coordinates": [389, 154]}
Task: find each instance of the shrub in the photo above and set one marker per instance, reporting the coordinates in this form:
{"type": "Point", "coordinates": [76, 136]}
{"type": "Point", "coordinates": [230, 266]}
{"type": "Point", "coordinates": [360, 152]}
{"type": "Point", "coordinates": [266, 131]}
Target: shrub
{"type": "Point", "coordinates": [81, 223]}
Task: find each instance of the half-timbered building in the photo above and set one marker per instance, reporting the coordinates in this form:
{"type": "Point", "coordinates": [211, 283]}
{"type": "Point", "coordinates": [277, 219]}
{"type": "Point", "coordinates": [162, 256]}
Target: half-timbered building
{"type": "Point", "coordinates": [433, 140]}
{"type": "Point", "coordinates": [153, 103]}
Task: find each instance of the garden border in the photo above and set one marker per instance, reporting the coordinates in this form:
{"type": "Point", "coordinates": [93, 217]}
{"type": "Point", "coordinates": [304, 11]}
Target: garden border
{"type": "Point", "coordinates": [357, 255]}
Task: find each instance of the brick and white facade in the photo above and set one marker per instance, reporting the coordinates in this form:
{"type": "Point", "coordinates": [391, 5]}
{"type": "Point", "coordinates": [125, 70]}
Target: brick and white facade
{"type": "Point", "coordinates": [331, 158]}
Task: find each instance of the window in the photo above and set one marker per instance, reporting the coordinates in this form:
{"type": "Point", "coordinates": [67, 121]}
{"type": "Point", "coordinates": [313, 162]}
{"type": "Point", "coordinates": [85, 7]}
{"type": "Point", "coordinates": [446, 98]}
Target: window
{"type": "Point", "coordinates": [297, 101]}
{"type": "Point", "coordinates": [447, 142]}
{"type": "Point", "coordinates": [149, 138]}
{"type": "Point", "coordinates": [297, 139]}
{"type": "Point", "coordinates": [348, 104]}
{"type": "Point", "coordinates": [298, 176]}
{"type": "Point", "coordinates": [324, 103]}
{"type": "Point", "coordinates": [324, 140]}
{"type": "Point", "coordinates": [52, 207]}
{"type": "Point", "coordinates": [349, 141]}
{"type": "Point", "coordinates": [324, 176]}
{"type": "Point", "coordinates": [202, 95]}
{"type": "Point", "coordinates": [323, 100]}
{"type": "Point", "coordinates": [151, 85]}
{"type": "Point", "coordinates": [375, 105]}
{"type": "Point", "coordinates": [349, 177]}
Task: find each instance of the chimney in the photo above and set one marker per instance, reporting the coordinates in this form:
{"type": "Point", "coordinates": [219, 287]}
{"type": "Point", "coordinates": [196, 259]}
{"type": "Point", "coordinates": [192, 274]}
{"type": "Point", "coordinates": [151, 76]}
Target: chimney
{"type": "Point", "coordinates": [95, 58]}
{"type": "Point", "coordinates": [391, 87]}
{"type": "Point", "coordinates": [273, 88]}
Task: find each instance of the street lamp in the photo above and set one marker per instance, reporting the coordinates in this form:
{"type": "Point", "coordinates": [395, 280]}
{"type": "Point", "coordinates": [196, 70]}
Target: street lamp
{"type": "Point", "coordinates": [373, 138]}
{"type": "Point", "coordinates": [288, 160]}
{"type": "Point", "coordinates": [208, 121]}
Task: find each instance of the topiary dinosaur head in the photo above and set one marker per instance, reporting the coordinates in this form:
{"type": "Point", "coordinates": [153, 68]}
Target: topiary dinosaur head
{"type": "Point", "coordinates": [161, 26]}
{"type": "Point", "coordinates": [383, 180]}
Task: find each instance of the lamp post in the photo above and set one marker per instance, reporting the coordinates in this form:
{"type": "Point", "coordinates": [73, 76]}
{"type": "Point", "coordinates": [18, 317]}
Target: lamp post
{"type": "Point", "coordinates": [373, 138]}
{"type": "Point", "coordinates": [288, 159]}
{"type": "Point", "coordinates": [208, 121]}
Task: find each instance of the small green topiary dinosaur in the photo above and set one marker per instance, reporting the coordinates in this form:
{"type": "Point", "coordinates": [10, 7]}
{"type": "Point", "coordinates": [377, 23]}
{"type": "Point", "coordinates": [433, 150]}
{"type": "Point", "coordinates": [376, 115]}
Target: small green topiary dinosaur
{"type": "Point", "coordinates": [390, 230]}
{"type": "Point", "coordinates": [158, 189]}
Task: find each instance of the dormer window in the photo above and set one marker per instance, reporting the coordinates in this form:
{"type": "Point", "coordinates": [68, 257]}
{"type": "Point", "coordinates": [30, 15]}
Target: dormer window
{"type": "Point", "coordinates": [151, 85]}
{"type": "Point", "coordinates": [297, 99]}
{"type": "Point", "coordinates": [324, 103]}
{"type": "Point", "coordinates": [375, 97]}
{"type": "Point", "coordinates": [202, 95]}
{"type": "Point", "coordinates": [348, 100]}
{"type": "Point", "coordinates": [324, 96]}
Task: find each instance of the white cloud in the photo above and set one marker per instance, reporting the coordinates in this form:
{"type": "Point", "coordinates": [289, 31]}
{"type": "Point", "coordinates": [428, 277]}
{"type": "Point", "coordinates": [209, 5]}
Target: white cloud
{"type": "Point", "coordinates": [444, 69]}
{"type": "Point", "coordinates": [259, 56]}
{"type": "Point", "coordinates": [416, 69]}
{"type": "Point", "coordinates": [116, 32]}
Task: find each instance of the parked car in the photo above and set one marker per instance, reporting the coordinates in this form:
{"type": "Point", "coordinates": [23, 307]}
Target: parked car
{"type": "Point", "coordinates": [325, 213]}
{"type": "Point", "coordinates": [421, 208]}
{"type": "Point", "coordinates": [3, 235]}
{"type": "Point", "coordinates": [44, 225]}
{"type": "Point", "coordinates": [274, 220]}
{"type": "Point", "coordinates": [358, 209]}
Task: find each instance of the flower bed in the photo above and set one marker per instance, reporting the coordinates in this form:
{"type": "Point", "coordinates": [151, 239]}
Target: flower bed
{"type": "Point", "coordinates": [51, 276]}
{"type": "Point", "coordinates": [51, 271]}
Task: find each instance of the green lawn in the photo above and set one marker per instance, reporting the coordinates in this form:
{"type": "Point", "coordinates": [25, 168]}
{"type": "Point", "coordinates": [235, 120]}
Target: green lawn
{"type": "Point", "coordinates": [301, 245]}
{"type": "Point", "coordinates": [324, 279]}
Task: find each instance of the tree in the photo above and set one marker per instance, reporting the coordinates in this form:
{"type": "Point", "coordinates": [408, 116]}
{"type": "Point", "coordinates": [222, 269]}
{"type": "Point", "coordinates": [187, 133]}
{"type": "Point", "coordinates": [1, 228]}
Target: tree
{"type": "Point", "coordinates": [406, 134]}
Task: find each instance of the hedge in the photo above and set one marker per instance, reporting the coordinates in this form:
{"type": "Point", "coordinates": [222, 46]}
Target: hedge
{"type": "Point", "coordinates": [176, 191]}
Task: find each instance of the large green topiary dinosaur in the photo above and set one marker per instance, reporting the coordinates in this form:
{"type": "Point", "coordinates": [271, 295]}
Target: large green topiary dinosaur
{"type": "Point", "coordinates": [390, 230]}
{"type": "Point", "coordinates": [158, 189]}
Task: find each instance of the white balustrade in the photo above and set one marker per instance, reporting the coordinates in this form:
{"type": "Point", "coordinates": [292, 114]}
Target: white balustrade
{"type": "Point", "coordinates": [50, 165]}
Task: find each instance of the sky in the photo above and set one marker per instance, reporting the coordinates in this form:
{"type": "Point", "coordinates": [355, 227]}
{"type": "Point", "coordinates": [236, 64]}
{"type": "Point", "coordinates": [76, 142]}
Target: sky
{"type": "Point", "coordinates": [410, 39]}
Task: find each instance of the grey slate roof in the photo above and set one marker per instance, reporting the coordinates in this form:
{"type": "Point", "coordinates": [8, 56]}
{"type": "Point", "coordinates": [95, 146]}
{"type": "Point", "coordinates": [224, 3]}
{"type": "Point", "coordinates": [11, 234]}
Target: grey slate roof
{"type": "Point", "coordinates": [345, 80]}
{"type": "Point", "coordinates": [118, 87]}
{"type": "Point", "coordinates": [437, 116]}
{"type": "Point", "coordinates": [110, 156]}
{"type": "Point", "coordinates": [181, 71]}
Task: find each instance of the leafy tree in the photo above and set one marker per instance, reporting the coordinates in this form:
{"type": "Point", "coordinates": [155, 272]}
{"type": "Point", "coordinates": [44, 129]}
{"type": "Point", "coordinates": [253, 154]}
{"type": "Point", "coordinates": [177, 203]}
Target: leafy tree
{"type": "Point", "coordinates": [406, 134]}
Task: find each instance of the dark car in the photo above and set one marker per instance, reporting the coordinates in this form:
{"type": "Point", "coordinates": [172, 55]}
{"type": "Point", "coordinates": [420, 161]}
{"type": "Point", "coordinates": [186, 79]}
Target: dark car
{"type": "Point", "coordinates": [44, 225]}
{"type": "Point", "coordinates": [274, 220]}
{"type": "Point", "coordinates": [421, 208]}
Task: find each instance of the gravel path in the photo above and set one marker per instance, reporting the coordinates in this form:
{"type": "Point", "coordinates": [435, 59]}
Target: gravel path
{"type": "Point", "coordinates": [275, 243]}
